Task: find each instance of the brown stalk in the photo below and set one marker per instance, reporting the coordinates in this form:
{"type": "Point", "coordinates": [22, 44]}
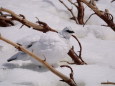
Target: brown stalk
{"type": "Point", "coordinates": [88, 19]}
{"type": "Point", "coordinates": [104, 15]}
{"type": "Point", "coordinates": [70, 10]}
{"type": "Point", "coordinates": [80, 52]}
{"type": "Point", "coordinates": [112, 1]}
{"type": "Point", "coordinates": [71, 74]}
{"type": "Point", "coordinates": [80, 16]}
{"type": "Point", "coordinates": [4, 21]}
{"type": "Point", "coordinates": [59, 74]}
{"type": "Point", "coordinates": [80, 8]}
{"type": "Point", "coordinates": [112, 83]}
{"type": "Point", "coordinates": [25, 21]}
{"type": "Point", "coordinates": [75, 57]}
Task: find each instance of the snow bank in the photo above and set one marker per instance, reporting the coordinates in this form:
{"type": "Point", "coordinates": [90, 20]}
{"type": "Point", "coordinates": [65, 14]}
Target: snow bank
{"type": "Point", "coordinates": [98, 45]}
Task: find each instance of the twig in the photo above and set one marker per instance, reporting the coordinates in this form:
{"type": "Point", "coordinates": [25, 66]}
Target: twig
{"type": "Point", "coordinates": [67, 62]}
{"type": "Point", "coordinates": [59, 74]}
{"type": "Point", "coordinates": [70, 10]}
{"type": "Point", "coordinates": [80, 15]}
{"type": "Point", "coordinates": [102, 14]}
{"type": "Point", "coordinates": [71, 74]}
{"type": "Point", "coordinates": [80, 50]}
{"type": "Point", "coordinates": [112, 1]}
{"type": "Point", "coordinates": [79, 45]}
{"type": "Point", "coordinates": [25, 21]}
{"type": "Point", "coordinates": [112, 83]}
{"type": "Point", "coordinates": [88, 19]}
{"type": "Point", "coordinates": [4, 21]}
{"type": "Point", "coordinates": [44, 25]}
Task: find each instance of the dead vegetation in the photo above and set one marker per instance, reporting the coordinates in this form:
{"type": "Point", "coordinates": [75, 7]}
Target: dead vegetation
{"type": "Point", "coordinates": [42, 26]}
{"type": "Point", "coordinates": [78, 18]}
{"type": "Point", "coordinates": [4, 21]}
{"type": "Point", "coordinates": [10, 16]}
{"type": "Point", "coordinates": [105, 15]}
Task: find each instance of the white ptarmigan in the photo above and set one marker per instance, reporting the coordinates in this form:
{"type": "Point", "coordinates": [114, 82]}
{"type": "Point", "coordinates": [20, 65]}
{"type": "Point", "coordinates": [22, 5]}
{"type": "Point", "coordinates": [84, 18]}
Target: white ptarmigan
{"type": "Point", "coordinates": [51, 46]}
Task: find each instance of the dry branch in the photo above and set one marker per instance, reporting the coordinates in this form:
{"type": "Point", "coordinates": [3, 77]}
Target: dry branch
{"type": "Point", "coordinates": [4, 21]}
{"type": "Point", "coordinates": [70, 10]}
{"type": "Point", "coordinates": [112, 1]}
{"type": "Point", "coordinates": [25, 21]}
{"type": "Point", "coordinates": [88, 19]}
{"type": "Point", "coordinates": [59, 74]}
{"type": "Point", "coordinates": [112, 83]}
{"type": "Point", "coordinates": [71, 74]}
{"type": "Point", "coordinates": [104, 15]}
{"type": "Point", "coordinates": [75, 57]}
{"type": "Point", "coordinates": [80, 8]}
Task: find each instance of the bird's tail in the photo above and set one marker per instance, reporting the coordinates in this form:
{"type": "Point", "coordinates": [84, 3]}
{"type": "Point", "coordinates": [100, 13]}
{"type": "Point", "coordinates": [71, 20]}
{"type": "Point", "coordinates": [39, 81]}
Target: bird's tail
{"type": "Point", "coordinates": [18, 56]}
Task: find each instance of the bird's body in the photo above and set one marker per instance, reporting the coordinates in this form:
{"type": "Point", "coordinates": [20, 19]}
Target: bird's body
{"type": "Point", "coordinates": [51, 47]}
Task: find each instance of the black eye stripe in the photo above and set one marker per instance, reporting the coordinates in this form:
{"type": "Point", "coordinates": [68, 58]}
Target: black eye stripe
{"type": "Point", "coordinates": [69, 31]}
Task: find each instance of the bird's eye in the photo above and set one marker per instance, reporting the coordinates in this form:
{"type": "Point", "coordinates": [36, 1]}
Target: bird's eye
{"type": "Point", "coordinates": [69, 31]}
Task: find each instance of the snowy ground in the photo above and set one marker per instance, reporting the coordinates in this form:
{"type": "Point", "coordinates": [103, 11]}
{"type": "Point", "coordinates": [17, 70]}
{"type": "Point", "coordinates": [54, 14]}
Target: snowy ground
{"type": "Point", "coordinates": [98, 45]}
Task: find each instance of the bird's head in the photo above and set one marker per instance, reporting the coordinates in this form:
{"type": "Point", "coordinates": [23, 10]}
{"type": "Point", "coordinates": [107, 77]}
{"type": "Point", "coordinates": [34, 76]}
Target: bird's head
{"type": "Point", "coordinates": [67, 32]}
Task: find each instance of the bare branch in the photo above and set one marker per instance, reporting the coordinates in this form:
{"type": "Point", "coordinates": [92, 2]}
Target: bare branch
{"type": "Point", "coordinates": [75, 57]}
{"type": "Point", "coordinates": [73, 3]}
{"type": "Point", "coordinates": [112, 1]}
{"type": "Point", "coordinates": [70, 10]}
{"type": "Point", "coordinates": [4, 21]}
{"type": "Point", "coordinates": [79, 45]}
{"type": "Point", "coordinates": [82, 61]}
{"type": "Point", "coordinates": [80, 9]}
{"type": "Point", "coordinates": [88, 19]}
{"type": "Point", "coordinates": [112, 83]}
{"type": "Point", "coordinates": [68, 62]}
{"type": "Point", "coordinates": [105, 16]}
{"type": "Point", "coordinates": [71, 74]}
{"type": "Point", "coordinates": [24, 21]}
{"type": "Point", "coordinates": [80, 15]}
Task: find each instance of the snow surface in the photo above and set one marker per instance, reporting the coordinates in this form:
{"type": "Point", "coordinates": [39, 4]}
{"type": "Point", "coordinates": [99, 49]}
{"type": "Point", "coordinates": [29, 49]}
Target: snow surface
{"type": "Point", "coordinates": [98, 45]}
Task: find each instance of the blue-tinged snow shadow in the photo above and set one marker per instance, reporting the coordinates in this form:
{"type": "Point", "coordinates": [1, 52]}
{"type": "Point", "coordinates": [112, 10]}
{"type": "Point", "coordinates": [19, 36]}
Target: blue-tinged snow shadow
{"type": "Point", "coordinates": [28, 66]}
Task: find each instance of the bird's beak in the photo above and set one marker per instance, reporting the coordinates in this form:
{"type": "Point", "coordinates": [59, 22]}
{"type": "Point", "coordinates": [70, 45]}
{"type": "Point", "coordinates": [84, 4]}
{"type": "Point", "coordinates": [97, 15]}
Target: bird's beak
{"type": "Point", "coordinates": [70, 31]}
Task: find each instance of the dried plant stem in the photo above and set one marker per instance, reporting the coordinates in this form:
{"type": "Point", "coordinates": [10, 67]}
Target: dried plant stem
{"type": "Point", "coordinates": [25, 21]}
{"type": "Point", "coordinates": [104, 15]}
{"type": "Point", "coordinates": [88, 19]}
{"type": "Point", "coordinates": [70, 10]}
{"type": "Point", "coordinates": [59, 74]}
{"type": "Point", "coordinates": [112, 83]}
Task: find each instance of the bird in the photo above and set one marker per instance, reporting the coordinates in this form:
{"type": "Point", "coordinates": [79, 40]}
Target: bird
{"type": "Point", "coordinates": [50, 47]}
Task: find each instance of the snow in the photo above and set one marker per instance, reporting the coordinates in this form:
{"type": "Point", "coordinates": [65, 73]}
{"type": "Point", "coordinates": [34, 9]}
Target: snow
{"type": "Point", "coordinates": [98, 45]}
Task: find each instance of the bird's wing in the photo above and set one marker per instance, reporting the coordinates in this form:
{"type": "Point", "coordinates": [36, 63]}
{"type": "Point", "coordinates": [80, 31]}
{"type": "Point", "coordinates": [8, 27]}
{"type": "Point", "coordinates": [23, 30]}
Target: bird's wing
{"type": "Point", "coordinates": [28, 41]}
{"type": "Point", "coordinates": [19, 56]}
